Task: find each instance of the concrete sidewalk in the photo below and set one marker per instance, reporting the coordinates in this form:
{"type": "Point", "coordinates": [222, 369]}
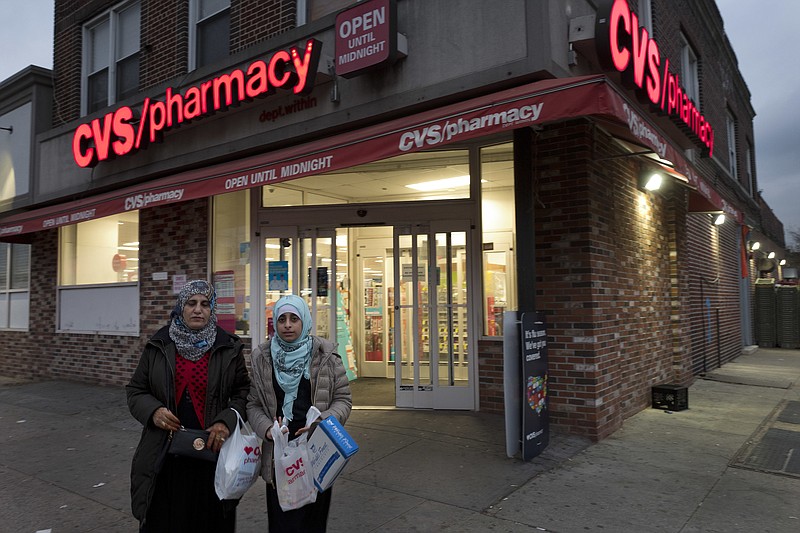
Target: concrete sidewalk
{"type": "Point", "coordinates": [724, 465]}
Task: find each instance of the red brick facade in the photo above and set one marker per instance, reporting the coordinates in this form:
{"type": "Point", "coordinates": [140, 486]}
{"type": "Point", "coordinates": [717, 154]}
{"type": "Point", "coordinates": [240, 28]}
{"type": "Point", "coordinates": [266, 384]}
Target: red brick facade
{"type": "Point", "coordinates": [173, 239]}
{"type": "Point", "coordinates": [164, 41]}
{"type": "Point", "coordinates": [606, 281]}
{"type": "Point", "coordinates": [636, 290]}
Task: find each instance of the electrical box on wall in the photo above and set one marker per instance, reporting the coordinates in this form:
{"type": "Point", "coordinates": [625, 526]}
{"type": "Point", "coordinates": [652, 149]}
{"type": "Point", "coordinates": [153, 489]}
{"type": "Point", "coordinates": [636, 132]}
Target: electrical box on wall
{"type": "Point", "coordinates": [581, 28]}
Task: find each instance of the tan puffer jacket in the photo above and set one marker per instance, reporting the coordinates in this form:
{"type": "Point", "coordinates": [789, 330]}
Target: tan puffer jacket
{"type": "Point", "coordinates": [330, 392]}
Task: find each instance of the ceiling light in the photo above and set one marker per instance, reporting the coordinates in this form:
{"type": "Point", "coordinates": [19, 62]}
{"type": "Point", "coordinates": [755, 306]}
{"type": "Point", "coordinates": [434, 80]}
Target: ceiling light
{"type": "Point", "coordinates": [719, 219]}
{"type": "Point", "coordinates": [439, 185]}
{"type": "Point", "coordinates": [771, 255]}
{"type": "Point", "coordinates": [783, 262]}
{"type": "Point", "coordinates": [755, 245]}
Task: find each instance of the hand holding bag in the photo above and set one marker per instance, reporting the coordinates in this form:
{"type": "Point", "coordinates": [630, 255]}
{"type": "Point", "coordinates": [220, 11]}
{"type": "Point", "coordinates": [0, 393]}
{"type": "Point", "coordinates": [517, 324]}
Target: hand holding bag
{"type": "Point", "coordinates": [239, 462]}
{"type": "Point", "coordinates": [294, 480]}
{"type": "Point", "coordinates": [191, 443]}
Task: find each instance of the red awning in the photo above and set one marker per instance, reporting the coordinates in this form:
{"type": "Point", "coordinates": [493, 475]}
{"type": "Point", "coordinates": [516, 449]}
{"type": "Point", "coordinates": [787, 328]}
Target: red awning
{"type": "Point", "coordinates": [536, 103]}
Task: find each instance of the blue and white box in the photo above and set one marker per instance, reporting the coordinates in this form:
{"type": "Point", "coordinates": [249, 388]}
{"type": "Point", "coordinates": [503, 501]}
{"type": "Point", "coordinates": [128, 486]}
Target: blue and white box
{"type": "Point", "coordinates": [330, 447]}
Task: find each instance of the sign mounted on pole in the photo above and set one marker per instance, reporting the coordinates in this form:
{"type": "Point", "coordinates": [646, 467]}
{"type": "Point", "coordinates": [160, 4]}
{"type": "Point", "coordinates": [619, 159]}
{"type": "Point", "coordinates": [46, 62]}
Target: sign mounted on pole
{"type": "Point", "coordinates": [366, 37]}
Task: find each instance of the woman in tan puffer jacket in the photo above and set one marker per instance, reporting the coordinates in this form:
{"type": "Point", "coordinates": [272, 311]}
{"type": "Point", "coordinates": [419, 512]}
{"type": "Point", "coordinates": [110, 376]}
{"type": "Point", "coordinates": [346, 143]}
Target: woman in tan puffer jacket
{"type": "Point", "coordinates": [292, 371]}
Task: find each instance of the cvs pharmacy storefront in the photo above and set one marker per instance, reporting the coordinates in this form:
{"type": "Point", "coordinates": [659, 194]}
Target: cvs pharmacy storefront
{"type": "Point", "coordinates": [408, 238]}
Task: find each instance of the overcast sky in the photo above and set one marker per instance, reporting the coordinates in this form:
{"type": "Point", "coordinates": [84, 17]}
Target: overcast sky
{"type": "Point", "coordinates": [763, 36]}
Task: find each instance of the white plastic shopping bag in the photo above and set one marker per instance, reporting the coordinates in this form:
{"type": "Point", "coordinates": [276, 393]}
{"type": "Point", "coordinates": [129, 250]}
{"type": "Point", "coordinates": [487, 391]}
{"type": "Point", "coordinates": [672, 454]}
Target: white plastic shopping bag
{"type": "Point", "coordinates": [239, 463]}
{"type": "Point", "coordinates": [294, 480]}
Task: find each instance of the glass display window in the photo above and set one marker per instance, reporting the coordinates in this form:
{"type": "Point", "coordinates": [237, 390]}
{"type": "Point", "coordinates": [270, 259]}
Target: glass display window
{"type": "Point", "coordinates": [231, 260]}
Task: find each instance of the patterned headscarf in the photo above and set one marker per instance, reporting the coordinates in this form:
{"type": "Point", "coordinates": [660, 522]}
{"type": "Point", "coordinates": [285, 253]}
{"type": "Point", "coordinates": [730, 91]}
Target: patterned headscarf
{"type": "Point", "coordinates": [291, 360]}
{"type": "Point", "coordinates": [192, 344]}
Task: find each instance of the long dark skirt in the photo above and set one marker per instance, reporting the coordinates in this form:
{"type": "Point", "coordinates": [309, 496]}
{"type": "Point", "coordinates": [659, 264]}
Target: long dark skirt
{"type": "Point", "coordinates": [311, 518]}
{"type": "Point", "coordinates": [185, 500]}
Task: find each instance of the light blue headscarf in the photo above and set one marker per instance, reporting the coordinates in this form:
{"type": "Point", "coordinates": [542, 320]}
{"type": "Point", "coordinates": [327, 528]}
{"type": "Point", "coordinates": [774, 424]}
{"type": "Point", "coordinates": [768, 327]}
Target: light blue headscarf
{"type": "Point", "coordinates": [291, 360]}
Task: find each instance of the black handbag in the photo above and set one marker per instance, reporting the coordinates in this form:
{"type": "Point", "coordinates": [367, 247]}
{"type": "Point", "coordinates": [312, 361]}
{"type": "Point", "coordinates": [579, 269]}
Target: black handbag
{"type": "Point", "coordinates": [191, 443]}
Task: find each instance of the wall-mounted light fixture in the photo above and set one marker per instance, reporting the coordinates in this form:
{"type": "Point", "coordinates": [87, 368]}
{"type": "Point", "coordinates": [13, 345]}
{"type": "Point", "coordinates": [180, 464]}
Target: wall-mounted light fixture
{"type": "Point", "coordinates": [771, 255]}
{"type": "Point", "coordinates": [754, 245]}
{"type": "Point", "coordinates": [650, 180]}
{"type": "Point", "coordinates": [719, 219]}
{"type": "Point", "coordinates": [782, 262]}
{"type": "Point", "coordinates": [655, 175]}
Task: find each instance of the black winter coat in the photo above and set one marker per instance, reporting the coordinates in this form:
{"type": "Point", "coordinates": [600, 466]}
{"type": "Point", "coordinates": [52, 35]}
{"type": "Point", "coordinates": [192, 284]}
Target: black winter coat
{"type": "Point", "coordinates": [153, 386]}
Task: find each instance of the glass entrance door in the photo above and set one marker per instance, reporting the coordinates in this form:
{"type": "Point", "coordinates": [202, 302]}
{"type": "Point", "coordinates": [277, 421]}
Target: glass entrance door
{"type": "Point", "coordinates": [395, 299]}
{"type": "Point", "coordinates": [302, 262]}
{"type": "Point", "coordinates": [374, 308]}
{"type": "Point", "coordinates": [432, 320]}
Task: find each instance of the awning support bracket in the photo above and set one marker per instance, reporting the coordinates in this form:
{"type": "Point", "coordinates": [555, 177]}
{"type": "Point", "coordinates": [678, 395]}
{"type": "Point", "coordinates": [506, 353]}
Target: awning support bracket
{"type": "Point", "coordinates": [632, 154]}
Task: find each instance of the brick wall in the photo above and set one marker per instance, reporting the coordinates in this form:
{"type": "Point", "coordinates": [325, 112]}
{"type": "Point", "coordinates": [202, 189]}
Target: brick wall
{"type": "Point", "coordinates": [603, 279]}
{"type": "Point", "coordinates": [491, 396]}
{"type": "Point", "coordinates": [173, 239]}
{"type": "Point", "coordinates": [33, 351]}
{"type": "Point", "coordinates": [722, 87]}
{"type": "Point", "coordinates": [714, 275]}
{"type": "Point", "coordinates": [70, 15]}
{"type": "Point", "coordinates": [679, 287]}
{"type": "Point", "coordinates": [607, 264]}
{"type": "Point", "coordinates": [164, 41]}
{"type": "Point", "coordinates": [253, 21]}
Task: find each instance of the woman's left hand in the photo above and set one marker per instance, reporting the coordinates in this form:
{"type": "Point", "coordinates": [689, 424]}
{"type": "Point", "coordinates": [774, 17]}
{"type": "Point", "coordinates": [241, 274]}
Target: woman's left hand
{"type": "Point", "coordinates": [217, 435]}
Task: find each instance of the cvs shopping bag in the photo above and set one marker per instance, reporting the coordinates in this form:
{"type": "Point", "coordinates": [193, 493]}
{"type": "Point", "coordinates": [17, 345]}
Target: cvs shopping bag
{"type": "Point", "coordinates": [239, 463]}
{"type": "Point", "coordinates": [294, 480]}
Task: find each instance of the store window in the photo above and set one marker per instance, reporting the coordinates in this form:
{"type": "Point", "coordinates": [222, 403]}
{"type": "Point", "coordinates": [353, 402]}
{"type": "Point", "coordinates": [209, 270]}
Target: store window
{"type": "Point", "coordinates": [209, 31]}
{"type": "Point", "coordinates": [690, 77]}
{"type": "Point", "coordinates": [440, 175]}
{"type": "Point", "coordinates": [499, 233]}
{"type": "Point", "coordinates": [15, 260]}
{"type": "Point", "coordinates": [231, 260]}
{"type": "Point", "coordinates": [310, 10]}
{"type": "Point", "coordinates": [98, 274]}
{"type": "Point", "coordinates": [731, 129]}
{"type": "Point", "coordinates": [100, 251]}
{"type": "Point", "coordinates": [15, 154]}
{"type": "Point", "coordinates": [111, 57]}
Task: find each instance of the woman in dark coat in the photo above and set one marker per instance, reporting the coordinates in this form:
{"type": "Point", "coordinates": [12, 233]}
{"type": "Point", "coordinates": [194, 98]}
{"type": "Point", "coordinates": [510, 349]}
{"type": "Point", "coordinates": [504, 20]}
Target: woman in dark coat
{"type": "Point", "coordinates": [190, 374]}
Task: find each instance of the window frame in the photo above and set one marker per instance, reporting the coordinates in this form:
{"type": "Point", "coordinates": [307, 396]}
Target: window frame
{"type": "Point", "coordinates": [111, 16]}
{"type": "Point", "coordinates": [305, 7]}
{"type": "Point", "coordinates": [645, 13]}
{"type": "Point", "coordinates": [224, 259]}
{"type": "Point", "coordinates": [730, 126]}
{"type": "Point", "coordinates": [194, 22]}
{"type": "Point", "coordinates": [70, 245]}
{"type": "Point", "coordinates": [7, 290]}
{"type": "Point", "coordinates": [96, 305]}
{"type": "Point", "coordinates": [690, 70]}
{"type": "Point", "coordinates": [751, 185]}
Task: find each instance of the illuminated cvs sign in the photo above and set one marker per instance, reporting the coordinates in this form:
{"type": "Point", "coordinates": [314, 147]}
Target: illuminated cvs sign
{"type": "Point", "coordinates": [124, 130]}
{"type": "Point", "coordinates": [628, 48]}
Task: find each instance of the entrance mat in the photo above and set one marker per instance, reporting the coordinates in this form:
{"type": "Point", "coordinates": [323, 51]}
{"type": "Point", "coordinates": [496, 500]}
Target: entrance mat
{"type": "Point", "coordinates": [775, 446]}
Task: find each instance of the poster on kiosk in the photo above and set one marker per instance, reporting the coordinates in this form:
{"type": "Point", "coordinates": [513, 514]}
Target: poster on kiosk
{"type": "Point", "coordinates": [535, 420]}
